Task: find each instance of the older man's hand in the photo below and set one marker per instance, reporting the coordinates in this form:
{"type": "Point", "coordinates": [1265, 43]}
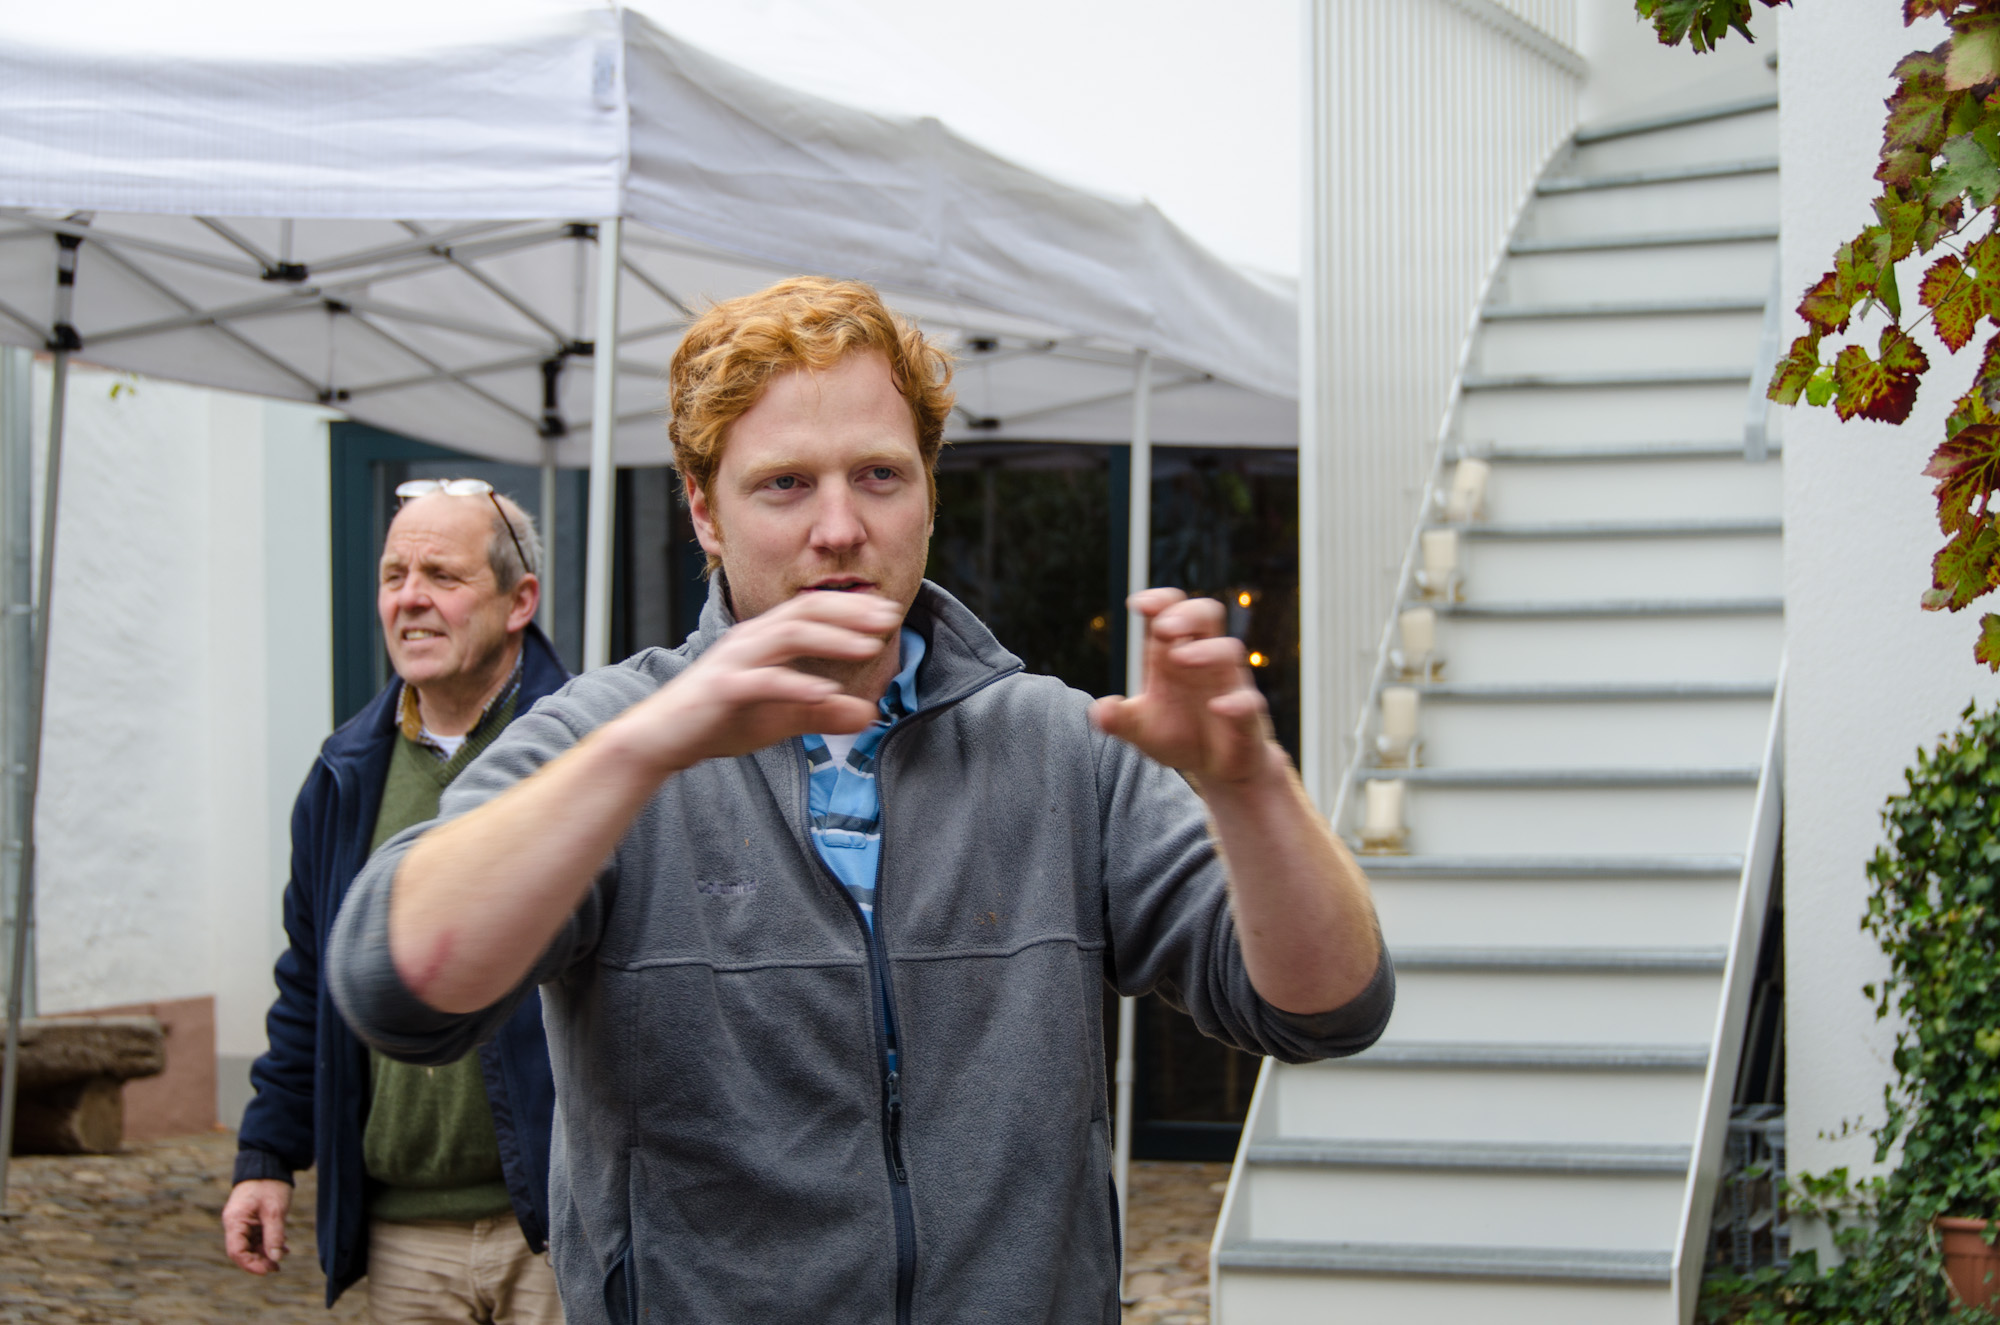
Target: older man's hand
{"type": "Point", "coordinates": [253, 1223]}
{"type": "Point", "coordinates": [1197, 709]}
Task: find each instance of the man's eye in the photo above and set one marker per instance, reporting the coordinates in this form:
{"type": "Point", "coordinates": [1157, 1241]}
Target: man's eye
{"type": "Point", "coordinates": [882, 473]}
{"type": "Point", "coordinates": [785, 482]}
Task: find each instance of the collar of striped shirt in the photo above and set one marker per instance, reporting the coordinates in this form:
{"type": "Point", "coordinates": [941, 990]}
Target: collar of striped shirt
{"type": "Point", "coordinates": [842, 799]}
{"type": "Point", "coordinates": [410, 719]}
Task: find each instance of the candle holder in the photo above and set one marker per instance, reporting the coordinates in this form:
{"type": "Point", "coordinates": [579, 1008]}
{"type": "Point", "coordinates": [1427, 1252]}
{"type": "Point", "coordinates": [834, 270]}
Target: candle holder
{"type": "Point", "coordinates": [1438, 578]}
{"type": "Point", "coordinates": [1441, 586]}
{"type": "Point", "coordinates": [1416, 659]}
{"type": "Point", "coordinates": [1461, 502]}
{"type": "Point", "coordinates": [1420, 667]}
{"type": "Point", "coordinates": [1385, 841]}
{"type": "Point", "coordinates": [1393, 753]}
{"type": "Point", "coordinates": [1398, 743]}
{"type": "Point", "coordinates": [1382, 829]}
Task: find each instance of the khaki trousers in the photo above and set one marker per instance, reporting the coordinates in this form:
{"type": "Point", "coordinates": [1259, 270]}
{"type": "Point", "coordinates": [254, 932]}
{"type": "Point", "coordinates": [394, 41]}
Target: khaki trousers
{"type": "Point", "coordinates": [439, 1272]}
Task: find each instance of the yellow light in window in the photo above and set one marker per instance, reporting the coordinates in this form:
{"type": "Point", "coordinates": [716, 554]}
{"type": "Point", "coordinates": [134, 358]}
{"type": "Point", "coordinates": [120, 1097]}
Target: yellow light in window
{"type": "Point", "coordinates": [1257, 660]}
{"type": "Point", "coordinates": [1243, 599]}
{"type": "Point", "coordinates": [1097, 622]}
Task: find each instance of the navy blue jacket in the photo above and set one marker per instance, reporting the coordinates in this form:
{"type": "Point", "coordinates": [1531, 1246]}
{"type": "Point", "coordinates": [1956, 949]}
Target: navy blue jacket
{"type": "Point", "coordinates": [313, 1082]}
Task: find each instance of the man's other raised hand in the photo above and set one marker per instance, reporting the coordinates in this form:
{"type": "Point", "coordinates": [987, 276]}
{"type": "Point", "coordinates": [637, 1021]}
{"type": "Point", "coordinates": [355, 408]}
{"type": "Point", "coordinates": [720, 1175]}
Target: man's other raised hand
{"type": "Point", "coordinates": [1197, 708]}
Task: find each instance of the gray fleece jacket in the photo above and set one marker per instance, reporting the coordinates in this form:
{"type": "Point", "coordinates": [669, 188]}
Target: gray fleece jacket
{"type": "Point", "coordinates": [729, 1144]}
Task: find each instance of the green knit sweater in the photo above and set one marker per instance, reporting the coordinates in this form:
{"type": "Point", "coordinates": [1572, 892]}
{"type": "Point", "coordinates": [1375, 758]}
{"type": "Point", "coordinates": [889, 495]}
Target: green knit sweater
{"type": "Point", "coordinates": [429, 1145]}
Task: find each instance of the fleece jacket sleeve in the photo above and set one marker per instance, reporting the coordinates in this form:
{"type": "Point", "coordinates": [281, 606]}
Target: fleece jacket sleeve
{"type": "Point", "coordinates": [360, 973]}
{"type": "Point", "coordinates": [1172, 930]}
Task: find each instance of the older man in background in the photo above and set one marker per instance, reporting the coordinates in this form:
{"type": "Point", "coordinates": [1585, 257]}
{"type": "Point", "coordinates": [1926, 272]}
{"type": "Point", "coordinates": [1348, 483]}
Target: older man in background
{"type": "Point", "coordinates": [433, 1180]}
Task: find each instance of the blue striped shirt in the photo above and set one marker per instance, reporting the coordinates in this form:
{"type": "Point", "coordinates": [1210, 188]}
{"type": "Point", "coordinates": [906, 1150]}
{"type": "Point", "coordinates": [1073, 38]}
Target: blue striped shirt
{"type": "Point", "coordinates": [842, 799]}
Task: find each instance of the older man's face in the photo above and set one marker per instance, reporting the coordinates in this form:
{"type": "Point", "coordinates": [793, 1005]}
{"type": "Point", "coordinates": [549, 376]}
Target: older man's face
{"type": "Point", "coordinates": [443, 615]}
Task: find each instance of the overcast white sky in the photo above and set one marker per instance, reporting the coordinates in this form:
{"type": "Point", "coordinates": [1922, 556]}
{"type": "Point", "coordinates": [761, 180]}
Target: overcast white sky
{"type": "Point", "coordinates": [1191, 103]}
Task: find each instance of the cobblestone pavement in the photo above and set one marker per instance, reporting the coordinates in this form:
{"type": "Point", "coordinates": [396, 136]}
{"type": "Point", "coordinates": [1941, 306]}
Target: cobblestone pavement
{"type": "Point", "coordinates": [1169, 1226]}
{"type": "Point", "coordinates": [135, 1239]}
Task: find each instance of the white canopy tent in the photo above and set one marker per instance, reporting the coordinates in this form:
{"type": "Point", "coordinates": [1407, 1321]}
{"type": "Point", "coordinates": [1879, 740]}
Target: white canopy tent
{"type": "Point", "coordinates": [484, 223]}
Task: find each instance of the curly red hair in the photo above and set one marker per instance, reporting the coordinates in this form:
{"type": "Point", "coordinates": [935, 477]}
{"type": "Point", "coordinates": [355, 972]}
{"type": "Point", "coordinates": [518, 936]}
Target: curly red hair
{"type": "Point", "coordinates": [734, 349]}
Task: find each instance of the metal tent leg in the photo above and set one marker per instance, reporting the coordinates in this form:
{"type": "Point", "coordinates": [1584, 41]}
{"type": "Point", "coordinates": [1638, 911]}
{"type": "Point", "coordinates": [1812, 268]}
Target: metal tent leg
{"type": "Point", "coordinates": [1139, 576]}
{"type": "Point", "coordinates": [603, 422]}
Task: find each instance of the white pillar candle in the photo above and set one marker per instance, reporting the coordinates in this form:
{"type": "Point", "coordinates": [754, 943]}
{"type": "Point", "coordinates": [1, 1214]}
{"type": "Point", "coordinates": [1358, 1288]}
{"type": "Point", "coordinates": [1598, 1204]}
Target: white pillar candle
{"type": "Point", "coordinates": [1399, 714]}
{"type": "Point", "coordinates": [1440, 554]}
{"type": "Point", "coordinates": [1419, 627]}
{"type": "Point", "coordinates": [1468, 487]}
{"type": "Point", "coordinates": [1384, 808]}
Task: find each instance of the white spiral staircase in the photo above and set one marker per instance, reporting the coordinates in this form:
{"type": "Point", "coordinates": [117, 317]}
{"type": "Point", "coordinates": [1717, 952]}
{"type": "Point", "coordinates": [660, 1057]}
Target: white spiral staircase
{"type": "Point", "coordinates": [1590, 830]}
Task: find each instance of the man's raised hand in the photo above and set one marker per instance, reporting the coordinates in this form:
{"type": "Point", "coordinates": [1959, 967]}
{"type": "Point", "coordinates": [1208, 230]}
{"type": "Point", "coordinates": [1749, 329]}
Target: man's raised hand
{"type": "Point", "coordinates": [1197, 709]}
{"type": "Point", "coordinates": [743, 693]}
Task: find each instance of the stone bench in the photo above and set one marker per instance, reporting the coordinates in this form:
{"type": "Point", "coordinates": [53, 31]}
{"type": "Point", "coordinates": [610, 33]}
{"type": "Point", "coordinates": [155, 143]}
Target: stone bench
{"type": "Point", "coordinates": [73, 1074]}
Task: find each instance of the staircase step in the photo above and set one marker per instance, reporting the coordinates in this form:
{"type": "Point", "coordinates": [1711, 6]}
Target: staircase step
{"type": "Point", "coordinates": [1583, 730]}
{"type": "Point", "coordinates": [1733, 263]}
{"type": "Point", "coordinates": [1557, 1095]}
{"type": "Point", "coordinates": [1628, 179]}
{"type": "Point", "coordinates": [1652, 124]}
{"type": "Point", "coordinates": [1640, 308]}
{"type": "Point", "coordinates": [1500, 1055]}
{"type": "Point", "coordinates": [1622, 529]}
{"type": "Point", "coordinates": [1587, 381]}
{"type": "Point", "coordinates": [1529, 1208]}
{"type": "Point", "coordinates": [1561, 778]}
{"type": "Point", "coordinates": [1657, 607]}
{"type": "Point", "coordinates": [1417, 912]}
{"type": "Point", "coordinates": [1593, 960]}
{"type": "Point", "coordinates": [1573, 1006]}
{"type": "Point", "coordinates": [1734, 234]}
{"type": "Point", "coordinates": [1645, 1267]}
{"type": "Point", "coordinates": [1618, 342]}
{"type": "Point", "coordinates": [1644, 452]}
{"type": "Point", "coordinates": [1619, 412]}
{"type": "Point", "coordinates": [1477, 1156]}
{"type": "Point", "coordinates": [1557, 867]}
{"type": "Point", "coordinates": [1681, 565]}
{"type": "Point", "coordinates": [1584, 694]}
{"type": "Point", "coordinates": [1683, 485]}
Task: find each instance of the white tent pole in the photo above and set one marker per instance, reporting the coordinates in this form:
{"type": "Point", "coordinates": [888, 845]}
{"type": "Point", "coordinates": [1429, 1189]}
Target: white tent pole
{"type": "Point", "coordinates": [1139, 573]}
{"type": "Point", "coordinates": [17, 666]}
{"type": "Point", "coordinates": [26, 777]}
{"type": "Point", "coordinates": [603, 420]}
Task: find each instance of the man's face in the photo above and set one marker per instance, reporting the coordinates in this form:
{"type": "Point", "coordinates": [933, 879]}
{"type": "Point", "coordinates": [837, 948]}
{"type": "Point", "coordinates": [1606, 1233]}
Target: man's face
{"type": "Point", "coordinates": [443, 616]}
{"type": "Point", "coordinates": [821, 486]}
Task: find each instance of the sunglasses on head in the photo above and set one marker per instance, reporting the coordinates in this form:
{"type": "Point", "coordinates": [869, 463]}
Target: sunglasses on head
{"type": "Point", "coordinates": [464, 487]}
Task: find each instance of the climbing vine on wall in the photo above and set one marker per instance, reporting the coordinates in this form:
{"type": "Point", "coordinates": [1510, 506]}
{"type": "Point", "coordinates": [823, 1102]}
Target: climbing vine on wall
{"type": "Point", "coordinates": [1940, 178]}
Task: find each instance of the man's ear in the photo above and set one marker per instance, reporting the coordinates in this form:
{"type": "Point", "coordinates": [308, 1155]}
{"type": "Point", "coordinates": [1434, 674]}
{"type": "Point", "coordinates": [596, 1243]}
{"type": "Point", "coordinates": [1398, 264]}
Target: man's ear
{"type": "Point", "coordinates": [526, 597]}
{"type": "Point", "coordinates": [707, 529]}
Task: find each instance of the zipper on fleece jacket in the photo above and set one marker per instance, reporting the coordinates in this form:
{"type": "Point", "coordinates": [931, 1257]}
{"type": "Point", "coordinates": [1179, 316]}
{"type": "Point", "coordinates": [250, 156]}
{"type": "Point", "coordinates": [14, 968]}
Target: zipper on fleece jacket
{"type": "Point", "coordinates": [884, 1015]}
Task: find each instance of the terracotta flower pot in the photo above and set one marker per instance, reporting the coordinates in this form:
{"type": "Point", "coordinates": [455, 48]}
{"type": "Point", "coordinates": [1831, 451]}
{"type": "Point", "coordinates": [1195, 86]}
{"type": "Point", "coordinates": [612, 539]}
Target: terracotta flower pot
{"type": "Point", "coordinates": [1971, 1265]}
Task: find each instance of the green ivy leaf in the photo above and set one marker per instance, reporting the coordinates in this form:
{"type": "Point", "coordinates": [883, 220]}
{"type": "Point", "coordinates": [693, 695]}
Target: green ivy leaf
{"type": "Point", "coordinates": [1795, 371]}
{"type": "Point", "coordinates": [1967, 170]}
{"type": "Point", "coordinates": [1883, 389]}
{"type": "Point", "coordinates": [1701, 22]}
{"type": "Point", "coordinates": [1900, 218]}
{"type": "Point", "coordinates": [1819, 391]}
{"type": "Point", "coordinates": [1921, 105]}
{"type": "Point", "coordinates": [1967, 468]}
{"type": "Point", "coordinates": [1975, 52]}
{"type": "Point", "coordinates": [1988, 648]}
{"type": "Point", "coordinates": [1965, 568]}
{"type": "Point", "coordinates": [1955, 300]}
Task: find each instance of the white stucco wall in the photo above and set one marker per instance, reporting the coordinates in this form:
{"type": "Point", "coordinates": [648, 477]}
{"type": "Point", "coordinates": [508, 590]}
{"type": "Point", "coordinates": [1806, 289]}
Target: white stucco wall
{"type": "Point", "coordinates": [1632, 75]}
{"type": "Point", "coordinates": [1872, 677]}
{"type": "Point", "coordinates": [190, 682]}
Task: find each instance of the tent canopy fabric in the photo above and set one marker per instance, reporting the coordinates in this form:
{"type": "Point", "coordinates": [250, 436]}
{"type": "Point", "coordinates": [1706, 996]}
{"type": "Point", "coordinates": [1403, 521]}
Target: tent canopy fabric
{"type": "Point", "coordinates": [391, 209]}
